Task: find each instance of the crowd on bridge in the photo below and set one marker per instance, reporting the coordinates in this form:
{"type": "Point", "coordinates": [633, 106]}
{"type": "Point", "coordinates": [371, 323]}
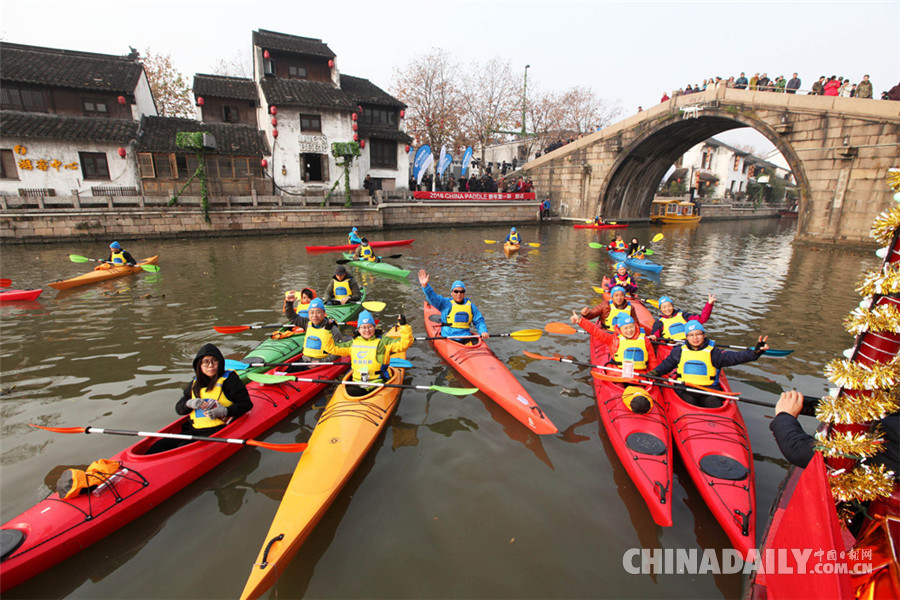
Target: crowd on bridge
{"type": "Point", "coordinates": [824, 86]}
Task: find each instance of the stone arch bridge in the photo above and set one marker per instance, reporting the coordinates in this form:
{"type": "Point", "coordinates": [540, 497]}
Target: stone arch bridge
{"type": "Point", "coordinates": [839, 150]}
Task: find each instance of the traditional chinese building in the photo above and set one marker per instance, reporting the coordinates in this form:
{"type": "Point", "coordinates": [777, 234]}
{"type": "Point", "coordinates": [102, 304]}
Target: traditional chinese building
{"type": "Point", "coordinates": [69, 120]}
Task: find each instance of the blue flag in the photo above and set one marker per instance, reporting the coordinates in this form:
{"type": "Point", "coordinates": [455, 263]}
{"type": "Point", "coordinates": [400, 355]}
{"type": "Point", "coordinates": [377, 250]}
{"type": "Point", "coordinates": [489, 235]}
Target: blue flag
{"type": "Point", "coordinates": [466, 159]}
{"type": "Point", "coordinates": [421, 162]}
{"type": "Point", "coordinates": [446, 159]}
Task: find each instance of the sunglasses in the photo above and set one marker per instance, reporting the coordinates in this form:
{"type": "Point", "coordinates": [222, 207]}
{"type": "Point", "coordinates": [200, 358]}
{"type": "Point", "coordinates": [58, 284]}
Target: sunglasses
{"type": "Point", "coordinates": [459, 291]}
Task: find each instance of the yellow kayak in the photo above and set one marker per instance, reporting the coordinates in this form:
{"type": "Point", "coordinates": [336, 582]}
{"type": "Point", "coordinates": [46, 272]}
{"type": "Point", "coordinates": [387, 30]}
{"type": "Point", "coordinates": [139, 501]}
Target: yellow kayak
{"type": "Point", "coordinates": [345, 432]}
{"type": "Point", "coordinates": [509, 248]}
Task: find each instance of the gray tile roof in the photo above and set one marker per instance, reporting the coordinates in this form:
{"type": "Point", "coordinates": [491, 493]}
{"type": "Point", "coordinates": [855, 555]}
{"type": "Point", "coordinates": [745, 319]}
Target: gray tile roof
{"type": "Point", "coordinates": [384, 134]}
{"type": "Point", "coordinates": [68, 68]}
{"type": "Point", "coordinates": [219, 86]}
{"type": "Point", "coordinates": [363, 91]}
{"type": "Point", "coordinates": [272, 40]}
{"type": "Point", "coordinates": [300, 92]}
{"type": "Point", "coordinates": [158, 135]}
{"type": "Point", "coordinates": [29, 125]}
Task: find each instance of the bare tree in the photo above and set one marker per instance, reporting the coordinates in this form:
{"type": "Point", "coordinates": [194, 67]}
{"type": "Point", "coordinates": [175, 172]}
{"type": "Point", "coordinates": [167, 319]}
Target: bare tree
{"type": "Point", "coordinates": [583, 111]}
{"type": "Point", "coordinates": [491, 94]}
{"type": "Point", "coordinates": [427, 86]}
{"type": "Point", "coordinates": [238, 64]}
{"type": "Point", "coordinates": [169, 87]}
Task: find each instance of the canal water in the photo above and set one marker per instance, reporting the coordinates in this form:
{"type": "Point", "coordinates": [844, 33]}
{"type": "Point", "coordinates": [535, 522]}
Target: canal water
{"type": "Point", "coordinates": [456, 499]}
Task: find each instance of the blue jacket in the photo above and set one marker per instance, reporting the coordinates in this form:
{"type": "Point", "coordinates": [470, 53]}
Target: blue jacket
{"type": "Point", "coordinates": [355, 239]}
{"type": "Point", "coordinates": [444, 304]}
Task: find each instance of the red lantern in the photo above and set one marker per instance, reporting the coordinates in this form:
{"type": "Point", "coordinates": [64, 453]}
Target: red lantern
{"type": "Point", "coordinates": [678, 180]}
{"type": "Point", "coordinates": [362, 143]}
{"type": "Point", "coordinates": [355, 126]}
{"type": "Point", "coordinates": [122, 152]}
{"type": "Point", "coordinates": [266, 54]}
{"type": "Point", "coordinates": [359, 106]}
{"type": "Point", "coordinates": [273, 110]}
{"type": "Point", "coordinates": [264, 163]}
{"type": "Point", "coordinates": [407, 148]}
{"type": "Point", "coordinates": [200, 101]}
{"type": "Point", "coordinates": [274, 122]}
{"type": "Point", "coordinates": [355, 137]}
{"type": "Point", "coordinates": [402, 113]}
{"type": "Point", "coordinates": [354, 116]}
{"type": "Point", "coordinates": [274, 133]}
{"type": "Point", "coordinates": [330, 63]}
{"type": "Point", "coordinates": [122, 100]}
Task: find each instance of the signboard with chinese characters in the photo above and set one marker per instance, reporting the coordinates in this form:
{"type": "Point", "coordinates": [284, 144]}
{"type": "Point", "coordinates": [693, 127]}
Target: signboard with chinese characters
{"type": "Point", "coordinates": [313, 144]}
{"type": "Point", "coordinates": [41, 164]}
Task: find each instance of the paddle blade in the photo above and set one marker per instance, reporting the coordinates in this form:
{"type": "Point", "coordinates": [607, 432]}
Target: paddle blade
{"type": "Point", "coordinates": [648, 252]}
{"type": "Point", "coordinates": [59, 429]}
{"type": "Point", "coordinates": [343, 261]}
{"type": "Point", "coordinates": [452, 390]}
{"type": "Point", "coordinates": [527, 335]}
{"type": "Point", "coordinates": [232, 329]}
{"type": "Point", "coordinates": [534, 244]}
{"type": "Point", "coordinates": [278, 447]}
{"type": "Point", "coordinates": [537, 356]}
{"type": "Point", "coordinates": [599, 290]}
{"type": "Point", "coordinates": [612, 378]}
{"type": "Point", "coordinates": [75, 258]}
{"type": "Point", "coordinates": [267, 379]}
{"type": "Point", "coordinates": [374, 306]}
{"type": "Point", "coordinates": [150, 268]}
{"type": "Point", "coordinates": [400, 363]}
{"type": "Point", "coordinates": [490, 241]}
{"type": "Point", "coordinates": [771, 352]}
{"type": "Point", "coordinates": [657, 237]}
{"type": "Point", "coordinates": [653, 303]}
{"type": "Point", "coordinates": [5, 282]}
{"type": "Point", "coordinates": [596, 245]}
{"type": "Point", "coordinates": [560, 328]}
{"type": "Point", "coordinates": [393, 256]}
{"type": "Point", "coordinates": [234, 365]}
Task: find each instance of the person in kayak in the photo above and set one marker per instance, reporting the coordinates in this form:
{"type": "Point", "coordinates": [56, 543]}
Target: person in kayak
{"type": "Point", "coordinates": [364, 252]}
{"type": "Point", "coordinates": [671, 323]}
{"type": "Point", "coordinates": [458, 313]}
{"type": "Point", "coordinates": [606, 312]}
{"type": "Point", "coordinates": [623, 279]}
{"type": "Point", "coordinates": [618, 244]}
{"type": "Point", "coordinates": [119, 256]}
{"type": "Point", "coordinates": [513, 237]}
{"type": "Point", "coordinates": [699, 362]}
{"type": "Point", "coordinates": [318, 327]}
{"type": "Point", "coordinates": [307, 295]}
{"type": "Point", "coordinates": [353, 236]}
{"type": "Point", "coordinates": [213, 396]}
{"type": "Point", "coordinates": [626, 341]}
{"type": "Point", "coordinates": [635, 249]}
{"type": "Point", "coordinates": [370, 351]}
{"type": "Point", "coordinates": [342, 288]}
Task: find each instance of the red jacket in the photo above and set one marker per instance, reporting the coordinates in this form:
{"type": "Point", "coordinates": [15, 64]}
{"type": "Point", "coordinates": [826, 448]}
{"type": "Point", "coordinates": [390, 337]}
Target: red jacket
{"type": "Point", "coordinates": [832, 87]}
{"type": "Point", "coordinates": [612, 340]}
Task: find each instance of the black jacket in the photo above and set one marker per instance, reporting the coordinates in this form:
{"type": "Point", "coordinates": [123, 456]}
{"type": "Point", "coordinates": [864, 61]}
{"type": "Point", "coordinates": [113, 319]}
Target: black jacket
{"type": "Point", "coordinates": [232, 388]}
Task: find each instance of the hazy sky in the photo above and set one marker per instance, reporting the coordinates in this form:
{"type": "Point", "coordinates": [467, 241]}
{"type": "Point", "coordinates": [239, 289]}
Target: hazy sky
{"type": "Point", "coordinates": [626, 51]}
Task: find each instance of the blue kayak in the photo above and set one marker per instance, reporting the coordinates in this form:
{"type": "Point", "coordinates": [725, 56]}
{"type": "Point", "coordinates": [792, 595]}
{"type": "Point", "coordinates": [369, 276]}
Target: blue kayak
{"type": "Point", "coordinates": [636, 263]}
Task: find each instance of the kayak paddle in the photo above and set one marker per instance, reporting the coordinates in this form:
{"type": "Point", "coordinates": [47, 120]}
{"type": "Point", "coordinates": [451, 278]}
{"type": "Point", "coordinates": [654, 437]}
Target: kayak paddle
{"type": "Point", "coordinates": [239, 328]}
{"type": "Point", "coordinates": [344, 261]}
{"type": "Point", "coordinates": [523, 335]}
{"type": "Point", "coordinates": [5, 282]}
{"type": "Point", "coordinates": [652, 303]}
{"type": "Point", "coordinates": [235, 365]}
{"type": "Point", "coordinates": [532, 244]}
{"type": "Point", "coordinates": [75, 258]}
{"type": "Point", "coordinates": [264, 379]}
{"type": "Point", "coordinates": [770, 351]}
{"type": "Point", "coordinates": [176, 436]}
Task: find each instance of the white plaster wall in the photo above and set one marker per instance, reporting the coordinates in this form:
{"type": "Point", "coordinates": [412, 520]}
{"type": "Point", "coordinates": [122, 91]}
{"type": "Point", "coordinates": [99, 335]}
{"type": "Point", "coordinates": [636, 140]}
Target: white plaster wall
{"type": "Point", "coordinates": [122, 171]}
{"type": "Point", "coordinates": [143, 99]}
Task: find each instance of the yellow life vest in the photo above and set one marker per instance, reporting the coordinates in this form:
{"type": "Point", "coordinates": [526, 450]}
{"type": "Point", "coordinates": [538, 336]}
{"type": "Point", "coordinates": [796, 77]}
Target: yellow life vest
{"type": "Point", "coordinates": [634, 350]}
{"type": "Point", "coordinates": [621, 245]}
{"type": "Point", "coordinates": [340, 289]}
{"type": "Point", "coordinates": [364, 360]}
{"type": "Point", "coordinates": [615, 312]}
{"type": "Point", "coordinates": [696, 366]}
{"type": "Point", "coordinates": [118, 257]}
{"type": "Point", "coordinates": [620, 282]}
{"type": "Point", "coordinates": [673, 327]}
{"type": "Point", "coordinates": [312, 345]}
{"type": "Point", "coordinates": [198, 418]}
{"type": "Point", "coordinates": [366, 253]}
{"type": "Point", "coordinates": [460, 315]}
{"type": "Point", "coordinates": [514, 238]}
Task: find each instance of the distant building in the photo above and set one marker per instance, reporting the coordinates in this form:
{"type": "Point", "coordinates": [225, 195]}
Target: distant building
{"type": "Point", "coordinates": [719, 170]}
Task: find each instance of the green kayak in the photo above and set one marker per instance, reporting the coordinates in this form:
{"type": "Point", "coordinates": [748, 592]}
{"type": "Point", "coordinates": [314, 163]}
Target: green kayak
{"type": "Point", "coordinates": [382, 268]}
{"type": "Point", "coordinates": [273, 351]}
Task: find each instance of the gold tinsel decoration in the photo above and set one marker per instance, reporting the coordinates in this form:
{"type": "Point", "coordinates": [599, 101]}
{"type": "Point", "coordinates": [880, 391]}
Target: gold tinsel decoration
{"type": "Point", "coordinates": [855, 376]}
{"type": "Point", "coordinates": [874, 406]}
{"type": "Point", "coordinates": [846, 444]}
{"type": "Point", "coordinates": [885, 317]}
{"type": "Point", "coordinates": [864, 483]}
{"type": "Point", "coordinates": [884, 282]}
{"type": "Point", "coordinates": [885, 225]}
{"type": "Point", "coordinates": [893, 179]}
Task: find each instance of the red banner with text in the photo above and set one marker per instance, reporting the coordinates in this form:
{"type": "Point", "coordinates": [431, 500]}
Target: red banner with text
{"type": "Point", "coordinates": [472, 196]}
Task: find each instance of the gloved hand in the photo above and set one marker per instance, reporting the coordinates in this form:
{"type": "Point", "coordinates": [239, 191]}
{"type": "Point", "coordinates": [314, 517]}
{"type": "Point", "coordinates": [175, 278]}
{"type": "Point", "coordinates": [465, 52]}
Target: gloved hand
{"type": "Point", "coordinates": [219, 412]}
{"type": "Point", "coordinates": [761, 346]}
{"type": "Point", "coordinates": [194, 403]}
{"type": "Point", "coordinates": [401, 319]}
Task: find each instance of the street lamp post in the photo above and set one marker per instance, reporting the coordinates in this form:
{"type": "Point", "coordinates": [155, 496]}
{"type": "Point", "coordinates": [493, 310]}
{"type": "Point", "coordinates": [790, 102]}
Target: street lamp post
{"type": "Point", "coordinates": [524, 96]}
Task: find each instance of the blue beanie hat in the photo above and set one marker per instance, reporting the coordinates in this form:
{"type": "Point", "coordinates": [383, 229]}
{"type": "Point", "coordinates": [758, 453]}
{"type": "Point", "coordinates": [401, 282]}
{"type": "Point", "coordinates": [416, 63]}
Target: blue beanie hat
{"type": "Point", "coordinates": [355, 229]}
{"type": "Point", "coordinates": [116, 246]}
{"type": "Point", "coordinates": [620, 265]}
{"type": "Point", "coordinates": [623, 319]}
{"type": "Point", "coordinates": [365, 318]}
{"type": "Point", "coordinates": [513, 229]}
{"type": "Point", "coordinates": [317, 303]}
{"type": "Point", "coordinates": [615, 289]}
{"type": "Point", "coordinates": [458, 284]}
{"type": "Point", "coordinates": [664, 299]}
{"type": "Point", "coordinates": [694, 326]}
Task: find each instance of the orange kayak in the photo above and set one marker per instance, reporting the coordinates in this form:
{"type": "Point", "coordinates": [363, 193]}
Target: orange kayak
{"type": "Point", "coordinates": [102, 274]}
{"type": "Point", "coordinates": [481, 367]}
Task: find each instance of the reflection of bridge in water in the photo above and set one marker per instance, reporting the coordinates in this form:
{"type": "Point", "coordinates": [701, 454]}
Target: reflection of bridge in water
{"type": "Point", "coordinates": [839, 150]}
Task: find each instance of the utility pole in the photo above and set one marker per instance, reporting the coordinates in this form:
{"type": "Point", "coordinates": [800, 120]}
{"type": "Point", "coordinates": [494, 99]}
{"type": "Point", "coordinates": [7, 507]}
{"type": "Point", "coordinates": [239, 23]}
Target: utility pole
{"type": "Point", "coordinates": [523, 131]}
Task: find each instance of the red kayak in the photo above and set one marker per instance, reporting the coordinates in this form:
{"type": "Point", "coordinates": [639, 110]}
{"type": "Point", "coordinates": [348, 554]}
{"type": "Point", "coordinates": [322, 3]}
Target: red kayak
{"type": "Point", "coordinates": [55, 529]}
{"type": "Point", "coordinates": [642, 442]}
{"type": "Point", "coordinates": [592, 226]}
{"type": "Point", "coordinates": [347, 247]}
{"type": "Point", "coordinates": [481, 367]}
{"type": "Point", "coordinates": [715, 448]}
{"type": "Point", "coordinates": [645, 319]}
{"type": "Point", "coordinates": [20, 295]}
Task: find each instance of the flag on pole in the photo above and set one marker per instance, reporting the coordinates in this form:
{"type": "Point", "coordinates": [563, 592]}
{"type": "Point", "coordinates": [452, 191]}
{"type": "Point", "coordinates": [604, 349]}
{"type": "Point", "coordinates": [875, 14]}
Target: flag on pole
{"type": "Point", "coordinates": [423, 160]}
{"type": "Point", "coordinates": [466, 159]}
{"type": "Point", "coordinates": [444, 162]}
